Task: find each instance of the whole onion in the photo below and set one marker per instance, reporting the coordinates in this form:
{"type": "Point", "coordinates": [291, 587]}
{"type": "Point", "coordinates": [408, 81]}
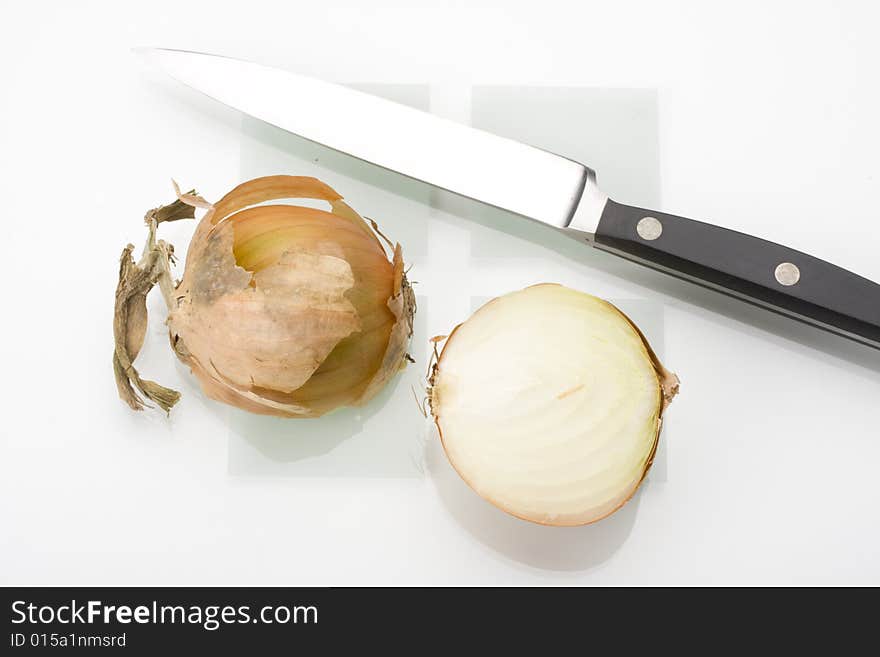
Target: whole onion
{"type": "Point", "coordinates": [283, 309]}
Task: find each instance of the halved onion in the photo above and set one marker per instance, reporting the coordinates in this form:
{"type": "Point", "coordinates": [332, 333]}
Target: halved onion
{"type": "Point", "coordinates": [549, 404]}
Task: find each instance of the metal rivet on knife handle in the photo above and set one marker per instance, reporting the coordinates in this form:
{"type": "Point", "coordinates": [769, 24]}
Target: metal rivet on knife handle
{"type": "Point", "coordinates": [649, 228]}
{"type": "Point", "coordinates": [787, 274]}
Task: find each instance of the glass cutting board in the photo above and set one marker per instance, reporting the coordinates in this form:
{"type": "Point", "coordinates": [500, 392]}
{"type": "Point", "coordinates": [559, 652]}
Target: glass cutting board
{"type": "Point", "coordinates": [462, 254]}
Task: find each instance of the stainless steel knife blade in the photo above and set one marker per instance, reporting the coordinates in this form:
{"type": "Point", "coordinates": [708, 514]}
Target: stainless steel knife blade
{"type": "Point", "coordinates": [482, 166]}
{"type": "Point", "coordinates": [539, 185]}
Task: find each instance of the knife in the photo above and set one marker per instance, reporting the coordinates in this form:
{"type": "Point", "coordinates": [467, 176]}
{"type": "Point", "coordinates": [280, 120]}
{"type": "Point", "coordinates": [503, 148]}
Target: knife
{"type": "Point", "coordinates": [538, 185]}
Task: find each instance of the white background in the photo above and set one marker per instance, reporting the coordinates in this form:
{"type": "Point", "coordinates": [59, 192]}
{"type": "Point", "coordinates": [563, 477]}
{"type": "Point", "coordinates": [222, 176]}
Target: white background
{"type": "Point", "coordinates": [766, 121]}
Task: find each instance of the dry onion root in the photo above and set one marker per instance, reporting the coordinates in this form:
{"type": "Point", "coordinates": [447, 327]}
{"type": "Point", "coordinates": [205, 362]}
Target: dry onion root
{"type": "Point", "coordinates": [549, 404]}
{"type": "Point", "coordinates": [283, 309]}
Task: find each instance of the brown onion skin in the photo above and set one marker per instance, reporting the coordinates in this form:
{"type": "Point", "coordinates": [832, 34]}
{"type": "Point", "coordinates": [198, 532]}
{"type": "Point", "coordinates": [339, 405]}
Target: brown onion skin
{"type": "Point", "coordinates": [360, 326]}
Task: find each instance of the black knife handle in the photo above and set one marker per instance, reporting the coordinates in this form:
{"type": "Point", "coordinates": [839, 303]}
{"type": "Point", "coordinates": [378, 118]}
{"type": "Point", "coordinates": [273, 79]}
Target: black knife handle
{"type": "Point", "coordinates": [755, 270]}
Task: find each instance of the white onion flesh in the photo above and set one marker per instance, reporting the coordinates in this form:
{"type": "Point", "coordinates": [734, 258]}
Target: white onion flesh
{"type": "Point", "coordinates": [549, 404]}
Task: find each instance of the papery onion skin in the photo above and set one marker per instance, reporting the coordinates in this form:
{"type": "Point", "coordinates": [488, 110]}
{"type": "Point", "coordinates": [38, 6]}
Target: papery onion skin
{"type": "Point", "coordinates": [289, 310]}
{"type": "Point", "coordinates": [530, 418]}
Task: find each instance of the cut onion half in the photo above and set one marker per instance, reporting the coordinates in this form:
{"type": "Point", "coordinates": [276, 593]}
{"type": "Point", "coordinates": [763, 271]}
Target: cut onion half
{"type": "Point", "coordinates": [549, 404]}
